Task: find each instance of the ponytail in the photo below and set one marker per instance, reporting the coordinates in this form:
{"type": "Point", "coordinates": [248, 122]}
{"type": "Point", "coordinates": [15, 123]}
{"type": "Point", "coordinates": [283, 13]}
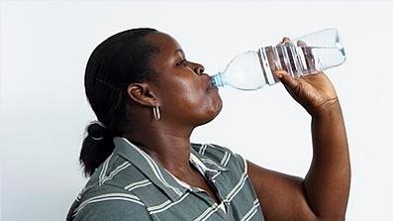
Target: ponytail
{"type": "Point", "coordinates": [96, 147]}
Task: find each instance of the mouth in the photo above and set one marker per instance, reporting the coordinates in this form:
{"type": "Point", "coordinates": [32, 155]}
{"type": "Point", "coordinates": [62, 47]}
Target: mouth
{"type": "Point", "coordinates": [211, 84]}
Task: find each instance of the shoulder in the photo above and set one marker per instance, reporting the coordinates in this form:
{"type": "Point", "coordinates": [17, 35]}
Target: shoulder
{"type": "Point", "coordinates": [107, 195]}
{"type": "Point", "coordinates": [107, 202]}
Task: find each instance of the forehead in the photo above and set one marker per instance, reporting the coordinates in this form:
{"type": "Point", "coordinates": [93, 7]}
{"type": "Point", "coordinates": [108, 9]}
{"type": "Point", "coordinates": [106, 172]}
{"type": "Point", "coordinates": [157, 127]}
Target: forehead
{"type": "Point", "coordinates": [164, 42]}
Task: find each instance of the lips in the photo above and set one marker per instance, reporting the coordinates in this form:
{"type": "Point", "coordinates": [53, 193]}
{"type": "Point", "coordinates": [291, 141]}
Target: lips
{"type": "Point", "coordinates": [211, 85]}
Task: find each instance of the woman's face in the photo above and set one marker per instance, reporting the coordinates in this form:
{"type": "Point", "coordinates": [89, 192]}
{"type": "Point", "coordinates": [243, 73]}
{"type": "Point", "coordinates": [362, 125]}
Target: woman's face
{"type": "Point", "coordinates": [183, 89]}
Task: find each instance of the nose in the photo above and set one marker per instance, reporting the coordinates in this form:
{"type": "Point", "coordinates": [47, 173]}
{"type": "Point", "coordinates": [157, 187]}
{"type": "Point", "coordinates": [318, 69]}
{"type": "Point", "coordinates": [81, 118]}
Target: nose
{"type": "Point", "coordinates": [198, 68]}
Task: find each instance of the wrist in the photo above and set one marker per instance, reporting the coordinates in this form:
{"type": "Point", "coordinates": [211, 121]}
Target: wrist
{"type": "Point", "coordinates": [327, 108]}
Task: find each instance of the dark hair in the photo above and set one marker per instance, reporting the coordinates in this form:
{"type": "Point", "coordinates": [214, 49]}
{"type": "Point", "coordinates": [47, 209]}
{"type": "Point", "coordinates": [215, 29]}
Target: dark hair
{"type": "Point", "coordinates": [115, 63]}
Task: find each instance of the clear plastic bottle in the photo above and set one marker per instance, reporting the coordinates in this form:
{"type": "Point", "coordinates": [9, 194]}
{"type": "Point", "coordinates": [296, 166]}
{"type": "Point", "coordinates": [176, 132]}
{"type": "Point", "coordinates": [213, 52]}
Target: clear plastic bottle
{"type": "Point", "coordinates": [308, 54]}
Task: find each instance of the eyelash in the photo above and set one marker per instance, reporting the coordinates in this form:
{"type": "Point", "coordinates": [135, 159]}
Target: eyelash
{"type": "Point", "coordinates": [182, 63]}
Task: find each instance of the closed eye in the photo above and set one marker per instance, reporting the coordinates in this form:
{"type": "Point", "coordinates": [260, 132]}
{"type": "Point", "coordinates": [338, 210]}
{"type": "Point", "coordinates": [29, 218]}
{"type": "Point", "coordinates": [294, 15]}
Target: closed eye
{"type": "Point", "coordinates": [181, 57]}
{"type": "Point", "coordinates": [183, 62]}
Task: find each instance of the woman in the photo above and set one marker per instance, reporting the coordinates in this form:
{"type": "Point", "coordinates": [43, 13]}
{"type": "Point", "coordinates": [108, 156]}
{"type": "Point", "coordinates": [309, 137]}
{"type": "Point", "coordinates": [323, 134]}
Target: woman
{"type": "Point", "coordinates": [148, 99]}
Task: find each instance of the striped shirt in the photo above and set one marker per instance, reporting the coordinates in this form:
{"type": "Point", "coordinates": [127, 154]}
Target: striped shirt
{"type": "Point", "coordinates": [130, 185]}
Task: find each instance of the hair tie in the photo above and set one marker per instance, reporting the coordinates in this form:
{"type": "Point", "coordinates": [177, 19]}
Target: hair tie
{"type": "Point", "coordinates": [97, 138]}
{"type": "Point", "coordinates": [96, 130]}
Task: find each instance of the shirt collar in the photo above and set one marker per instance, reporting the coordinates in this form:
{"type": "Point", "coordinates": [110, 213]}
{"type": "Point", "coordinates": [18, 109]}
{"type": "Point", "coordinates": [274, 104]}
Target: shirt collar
{"type": "Point", "coordinates": [206, 166]}
{"type": "Point", "coordinates": [158, 174]}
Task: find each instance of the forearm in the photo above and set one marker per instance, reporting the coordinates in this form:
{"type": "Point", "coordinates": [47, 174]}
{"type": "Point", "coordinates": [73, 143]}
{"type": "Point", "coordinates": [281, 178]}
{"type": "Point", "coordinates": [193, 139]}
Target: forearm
{"type": "Point", "coordinates": [328, 180]}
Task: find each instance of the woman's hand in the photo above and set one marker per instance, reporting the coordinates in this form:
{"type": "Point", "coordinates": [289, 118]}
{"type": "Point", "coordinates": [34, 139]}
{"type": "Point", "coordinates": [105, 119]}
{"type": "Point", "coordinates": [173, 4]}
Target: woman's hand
{"type": "Point", "coordinates": [314, 92]}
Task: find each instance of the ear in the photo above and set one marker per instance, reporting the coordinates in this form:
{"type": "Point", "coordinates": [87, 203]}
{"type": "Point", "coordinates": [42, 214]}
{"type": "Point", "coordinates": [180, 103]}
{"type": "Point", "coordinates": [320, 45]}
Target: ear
{"type": "Point", "coordinates": [141, 93]}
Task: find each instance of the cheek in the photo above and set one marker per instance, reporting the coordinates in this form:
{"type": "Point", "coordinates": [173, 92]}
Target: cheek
{"type": "Point", "coordinates": [179, 99]}
{"type": "Point", "coordinates": [185, 92]}
{"type": "Point", "coordinates": [191, 99]}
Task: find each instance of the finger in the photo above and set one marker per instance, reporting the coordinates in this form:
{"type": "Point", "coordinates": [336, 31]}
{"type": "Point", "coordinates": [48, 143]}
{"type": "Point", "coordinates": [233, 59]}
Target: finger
{"type": "Point", "coordinates": [285, 39]}
{"type": "Point", "coordinates": [301, 43]}
{"type": "Point", "coordinates": [309, 57]}
{"type": "Point", "coordinates": [286, 78]}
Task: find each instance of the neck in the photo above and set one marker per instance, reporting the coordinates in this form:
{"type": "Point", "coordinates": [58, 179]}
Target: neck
{"type": "Point", "coordinates": [169, 148]}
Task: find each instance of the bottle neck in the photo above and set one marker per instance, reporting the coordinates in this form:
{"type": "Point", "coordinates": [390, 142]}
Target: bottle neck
{"type": "Point", "coordinates": [217, 81]}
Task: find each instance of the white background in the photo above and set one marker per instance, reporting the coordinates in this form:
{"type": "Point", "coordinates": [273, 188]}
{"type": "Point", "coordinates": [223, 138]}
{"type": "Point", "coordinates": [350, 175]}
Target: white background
{"type": "Point", "coordinates": [45, 45]}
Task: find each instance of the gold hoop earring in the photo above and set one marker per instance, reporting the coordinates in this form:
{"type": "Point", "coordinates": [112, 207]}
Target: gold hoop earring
{"type": "Point", "coordinates": [156, 112]}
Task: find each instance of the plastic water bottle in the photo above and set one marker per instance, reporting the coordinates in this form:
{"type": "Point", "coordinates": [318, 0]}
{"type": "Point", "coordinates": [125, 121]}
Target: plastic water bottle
{"type": "Point", "coordinates": [308, 54]}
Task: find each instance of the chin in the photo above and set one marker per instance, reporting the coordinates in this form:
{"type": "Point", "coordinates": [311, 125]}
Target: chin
{"type": "Point", "coordinates": [212, 114]}
{"type": "Point", "coordinates": [208, 111]}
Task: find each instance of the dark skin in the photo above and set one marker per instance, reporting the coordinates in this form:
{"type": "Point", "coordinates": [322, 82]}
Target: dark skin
{"type": "Point", "coordinates": [181, 91]}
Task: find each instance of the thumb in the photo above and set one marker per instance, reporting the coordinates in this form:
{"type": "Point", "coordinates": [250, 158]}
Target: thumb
{"type": "Point", "coordinates": [286, 79]}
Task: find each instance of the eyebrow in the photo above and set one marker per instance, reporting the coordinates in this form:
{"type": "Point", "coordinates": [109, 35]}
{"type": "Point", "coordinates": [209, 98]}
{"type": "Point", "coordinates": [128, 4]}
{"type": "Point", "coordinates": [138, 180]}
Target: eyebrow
{"type": "Point", "coordinates": [181, 52]}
